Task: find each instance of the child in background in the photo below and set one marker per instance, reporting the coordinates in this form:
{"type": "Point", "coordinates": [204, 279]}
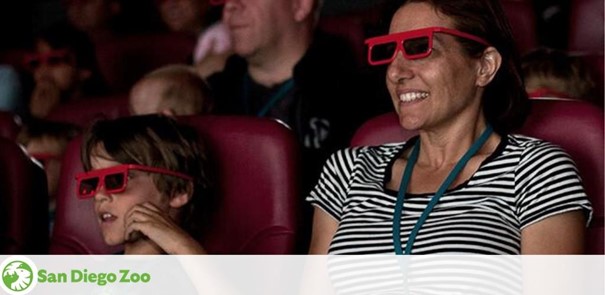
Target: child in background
{"type": "Point", "coordinates": [173, 90]}
{"type": "Point", "coordinates": [64, 69]}
{"type": "Point", "coordinates": [554, 73]}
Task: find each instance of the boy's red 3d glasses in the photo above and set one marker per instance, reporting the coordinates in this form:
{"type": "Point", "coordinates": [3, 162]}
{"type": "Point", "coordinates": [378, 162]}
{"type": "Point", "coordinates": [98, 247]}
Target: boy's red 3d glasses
{"type": "Point", "coordinates": [114, 179]}
{"type": "Point", "coordinates": [413, 44]}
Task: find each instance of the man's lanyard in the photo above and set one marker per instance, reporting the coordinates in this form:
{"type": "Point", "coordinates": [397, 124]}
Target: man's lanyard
{"type": "Point", "coordinates": [407, 174]}
{"type": "Point", "coordinates": [280, 94]}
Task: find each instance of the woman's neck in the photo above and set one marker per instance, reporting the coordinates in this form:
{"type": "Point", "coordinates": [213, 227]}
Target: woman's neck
{"type": "Point", "coordinates": [444, 147]}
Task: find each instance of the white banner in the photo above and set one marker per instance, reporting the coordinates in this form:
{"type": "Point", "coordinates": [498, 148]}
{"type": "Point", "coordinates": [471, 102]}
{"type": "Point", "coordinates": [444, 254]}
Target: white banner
{"type": "Point", "coordinates": [372, 274]}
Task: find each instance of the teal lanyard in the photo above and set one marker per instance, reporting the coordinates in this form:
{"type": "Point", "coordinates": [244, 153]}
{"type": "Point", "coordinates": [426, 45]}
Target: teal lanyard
{"type": "Point", "coordinates": [407, 174]}
{"type": "Point", "coordinates": [277, 96]}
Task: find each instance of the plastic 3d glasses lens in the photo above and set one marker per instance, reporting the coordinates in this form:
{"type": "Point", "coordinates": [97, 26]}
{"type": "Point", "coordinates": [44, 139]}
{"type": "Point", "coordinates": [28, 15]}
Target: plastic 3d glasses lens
{"type": "Point", "coordinates": [414, 47]}
{"type": "Point", "coordinates": [113, 183]}
{"type": "Point", "coordinates": [115, 179]}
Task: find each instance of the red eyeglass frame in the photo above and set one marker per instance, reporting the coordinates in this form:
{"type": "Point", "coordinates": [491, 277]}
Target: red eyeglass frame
{"type": "Point", "coordinates": [399, 38]}
{"type": "Point", "coordinates": [119, 169]}
{"type": "Point", "coordinates": [44, 57]}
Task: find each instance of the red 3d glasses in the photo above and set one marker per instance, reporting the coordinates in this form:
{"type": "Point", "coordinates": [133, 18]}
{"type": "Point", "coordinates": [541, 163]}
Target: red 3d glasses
{"type": "Point", "coordinates": [114, 179]}
{"type": "Point", "coordinates": [413, 44]}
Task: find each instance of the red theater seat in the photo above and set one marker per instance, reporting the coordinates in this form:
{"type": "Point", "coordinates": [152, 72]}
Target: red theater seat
{"type": "Point", "coordinates": [258, 181]}
{"type": "Point", "coordinates": [23, 203]}
{"type": "Point", "coordinates": [576, 126]}
{"type": "Point", "coordinates": [123, 61]}
{"type": "Point", "coordinates": [258, 191]}
{"type": "Point", "coordinates": [586, 26]}
{"type": "Point", "coordinates": [82, 112]}
{"type": "Point", "coordinates": [9, 125]}
{"type": "Point", "coordinates": [349, 27]}
{"type": "Point", "coordinates": [523, 23]}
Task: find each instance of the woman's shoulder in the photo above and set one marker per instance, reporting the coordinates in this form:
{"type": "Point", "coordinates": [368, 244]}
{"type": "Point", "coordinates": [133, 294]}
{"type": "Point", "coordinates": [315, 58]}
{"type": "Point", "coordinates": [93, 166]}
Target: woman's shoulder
{"type": "Point", "coordinates": [532, 148]}
{"type": "Point", "coordinates": [365, 153]}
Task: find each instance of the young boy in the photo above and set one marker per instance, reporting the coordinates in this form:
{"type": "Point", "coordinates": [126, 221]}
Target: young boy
{"type": "Point", "coordinates": [147, 175]}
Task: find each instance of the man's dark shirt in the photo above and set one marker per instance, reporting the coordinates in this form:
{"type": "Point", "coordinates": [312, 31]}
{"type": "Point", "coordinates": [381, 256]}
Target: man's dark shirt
{"type": "Point", "coordinates": [324, 107]}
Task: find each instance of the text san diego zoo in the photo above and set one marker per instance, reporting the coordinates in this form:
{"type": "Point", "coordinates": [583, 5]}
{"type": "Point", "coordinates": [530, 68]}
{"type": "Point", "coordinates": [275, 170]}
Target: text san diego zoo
{"type": "Point", "coordinates": [100, 278]}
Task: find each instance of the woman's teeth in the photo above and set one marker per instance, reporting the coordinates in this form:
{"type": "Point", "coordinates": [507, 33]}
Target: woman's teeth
{"type": "Point", "coordinates": [411, 96]}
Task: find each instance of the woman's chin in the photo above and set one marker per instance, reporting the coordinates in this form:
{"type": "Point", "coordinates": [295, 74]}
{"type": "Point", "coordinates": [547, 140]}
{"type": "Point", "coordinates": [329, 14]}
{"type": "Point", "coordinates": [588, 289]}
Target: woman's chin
{"type": "Point", "coordinates": [409, 123]}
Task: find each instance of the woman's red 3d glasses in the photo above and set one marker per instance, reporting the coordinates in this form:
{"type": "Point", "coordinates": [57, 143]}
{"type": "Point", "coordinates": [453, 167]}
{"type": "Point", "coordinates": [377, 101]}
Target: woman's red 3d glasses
{"type": "Point", "coordinates": [114, 179]}
{"type": "Point", "coordinates": [413, 44]}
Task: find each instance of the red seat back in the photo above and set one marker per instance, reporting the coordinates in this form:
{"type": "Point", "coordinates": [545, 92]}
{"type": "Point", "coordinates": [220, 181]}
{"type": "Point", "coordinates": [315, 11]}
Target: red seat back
{"type": "Point", "coordinates": [23, 203]}
{"type": "Point", "coordinates": [258, 185]}
{"type": "Point", "coordinates": [350, 27]}
{"type": "Point", "coordinates": [380, 130]}
{"type": "Point", "coordinates": [586, 26]}
{"type": "Point", "coordinates": [84, 111]}
{"type": "Point", "coordinates": [9, 125]}
{"type": "Point", "coordinates": [256, 204]}
{"type": "Point", "coordinates": [125, 60]}
{"type": "Point", "coordinates": [576, 126]}
{"type": "Point", "coordinates": [522, 19]}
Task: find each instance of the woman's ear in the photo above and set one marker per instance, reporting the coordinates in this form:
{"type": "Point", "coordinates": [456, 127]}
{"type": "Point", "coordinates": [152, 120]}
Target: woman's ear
{"type": "Point", "coordinates": [488, 66]}
{"type": "Point", "coordinates": [302, 9]}
{"type": "Point", "coordinates": [178, 200]}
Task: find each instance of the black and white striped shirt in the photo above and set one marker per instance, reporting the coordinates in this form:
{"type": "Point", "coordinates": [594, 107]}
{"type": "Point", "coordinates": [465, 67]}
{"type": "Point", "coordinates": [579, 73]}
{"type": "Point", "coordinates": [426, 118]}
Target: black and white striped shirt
{"type": "Point", "coordinates": [524, 181]}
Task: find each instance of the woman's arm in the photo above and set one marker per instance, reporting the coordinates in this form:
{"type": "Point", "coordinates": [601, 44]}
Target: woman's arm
{"type": "Point", "coordinates": [559, 234]}
{"type": "Point", "coordinates": [324, 228]}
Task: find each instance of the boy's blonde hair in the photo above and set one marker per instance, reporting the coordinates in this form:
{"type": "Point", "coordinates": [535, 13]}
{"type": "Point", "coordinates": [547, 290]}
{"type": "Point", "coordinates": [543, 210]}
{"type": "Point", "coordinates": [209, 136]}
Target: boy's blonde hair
{"type": "Point", "coordinates": [185, 92]}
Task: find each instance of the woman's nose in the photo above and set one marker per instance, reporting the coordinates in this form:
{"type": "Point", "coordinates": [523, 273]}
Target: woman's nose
{"type": "Point", "coordinates": [399, 69]}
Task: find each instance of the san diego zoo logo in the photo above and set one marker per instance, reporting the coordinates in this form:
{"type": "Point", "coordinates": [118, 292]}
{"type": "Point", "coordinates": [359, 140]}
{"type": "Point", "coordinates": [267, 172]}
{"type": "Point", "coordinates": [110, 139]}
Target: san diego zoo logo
{"type": "Point", "coordinates": [18, 275]}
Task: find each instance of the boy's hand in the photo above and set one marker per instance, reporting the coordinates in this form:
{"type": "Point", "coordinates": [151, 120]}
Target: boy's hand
{"type": "Point", "coordinates": [150, 221]}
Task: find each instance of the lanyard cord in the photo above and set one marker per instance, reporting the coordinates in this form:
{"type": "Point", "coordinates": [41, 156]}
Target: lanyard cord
{"type": "Point", "coordinates": [277, 96]}
{"type": "Point", "coordinates": [407, 174]}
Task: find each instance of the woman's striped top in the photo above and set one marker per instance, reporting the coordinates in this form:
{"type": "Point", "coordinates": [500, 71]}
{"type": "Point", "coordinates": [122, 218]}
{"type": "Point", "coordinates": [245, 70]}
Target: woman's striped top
{"type": "Point", "coordinates": [524, 181]}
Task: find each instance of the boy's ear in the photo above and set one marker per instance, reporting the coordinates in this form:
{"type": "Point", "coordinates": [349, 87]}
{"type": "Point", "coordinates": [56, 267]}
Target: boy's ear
{"type": "Point", "coordinates": [178, 200]}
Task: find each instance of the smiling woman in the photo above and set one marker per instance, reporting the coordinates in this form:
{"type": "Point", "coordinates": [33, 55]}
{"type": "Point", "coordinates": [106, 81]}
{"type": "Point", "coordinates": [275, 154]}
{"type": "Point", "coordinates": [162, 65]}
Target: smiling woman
{"type": "Point", "coordinates": [464, 184]}
{"type": "Point", "coordinates": [147, 177]}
